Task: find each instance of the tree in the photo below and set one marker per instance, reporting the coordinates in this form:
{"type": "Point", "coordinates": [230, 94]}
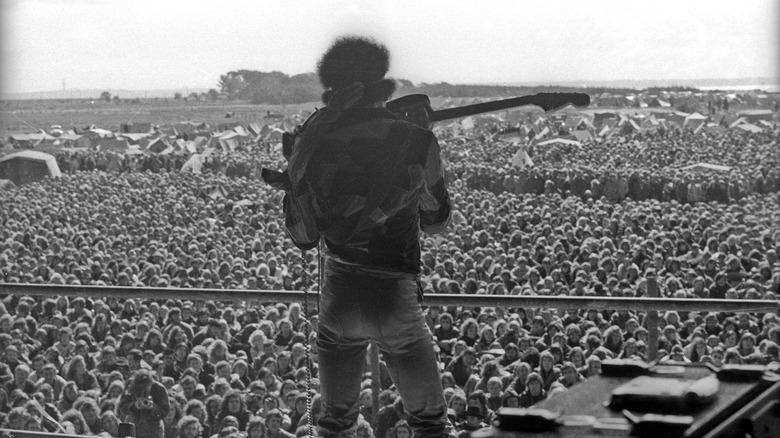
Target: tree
{"type": "Point", "coordinates": [105, 96]}
{"type": "Point", "coordinates": [116, 99]}
{"type": "Point", "coordinates": [193, 96]}
{"type": "Point", "coordinates": [212, 94]}
{"type": "Point", "coordinates": [177, 96]}
{"type": "Point", "coordinates": [232, 84]}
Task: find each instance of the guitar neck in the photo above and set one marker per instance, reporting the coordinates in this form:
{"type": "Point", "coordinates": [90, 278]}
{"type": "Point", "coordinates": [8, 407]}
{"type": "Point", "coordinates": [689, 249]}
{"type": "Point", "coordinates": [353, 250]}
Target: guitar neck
{"type": "Point", "coordinates": [485, 107]}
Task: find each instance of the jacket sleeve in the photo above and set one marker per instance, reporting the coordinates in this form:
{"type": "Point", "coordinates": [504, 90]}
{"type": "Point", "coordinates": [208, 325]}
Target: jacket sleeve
{"type": "Point", "coordinates": [435, 206]}
{"type": "Point", "coordinates": [124, 406]}
{"type": "Point", "coordinates": [300, 220]}
{"type": "Point", "coordinates": [161, 403]}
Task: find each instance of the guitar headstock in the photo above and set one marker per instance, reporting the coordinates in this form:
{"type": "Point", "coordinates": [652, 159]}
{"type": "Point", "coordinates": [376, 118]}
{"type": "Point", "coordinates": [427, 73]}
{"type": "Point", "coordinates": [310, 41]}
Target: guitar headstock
{"type": "Point", "coordinates": [555, 101]}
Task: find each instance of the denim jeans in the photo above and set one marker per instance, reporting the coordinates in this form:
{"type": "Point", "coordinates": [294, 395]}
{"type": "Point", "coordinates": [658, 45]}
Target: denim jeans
{"type": "Point", "coordinates": [356, 307]}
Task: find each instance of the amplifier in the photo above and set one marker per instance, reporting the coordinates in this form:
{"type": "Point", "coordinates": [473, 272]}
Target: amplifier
{"type": "Point", "coordinates": [635, 399]}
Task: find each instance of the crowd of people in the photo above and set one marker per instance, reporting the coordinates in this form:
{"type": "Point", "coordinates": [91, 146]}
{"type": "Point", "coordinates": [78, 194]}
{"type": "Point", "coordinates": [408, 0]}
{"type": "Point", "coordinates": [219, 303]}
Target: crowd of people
{"type": "Point", "coordinates": [591, 220]}
{"type": "Point", "coordinates": [643, 166]}
{"type": "Point", "coordinates": [244, 161]}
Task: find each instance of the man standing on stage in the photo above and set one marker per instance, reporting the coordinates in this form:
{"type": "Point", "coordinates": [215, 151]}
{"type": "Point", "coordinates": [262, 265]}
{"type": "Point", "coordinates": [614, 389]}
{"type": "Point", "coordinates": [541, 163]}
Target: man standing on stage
{"type": "Point", "coordinates": [366, 182]}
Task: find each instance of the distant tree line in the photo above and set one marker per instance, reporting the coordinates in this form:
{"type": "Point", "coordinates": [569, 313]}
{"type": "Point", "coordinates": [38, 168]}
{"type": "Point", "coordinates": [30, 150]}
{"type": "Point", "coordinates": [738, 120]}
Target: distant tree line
{"type": "Point", "coordinates": [270, 88]}
{"type": "Point", "coordinates": [276, 87]}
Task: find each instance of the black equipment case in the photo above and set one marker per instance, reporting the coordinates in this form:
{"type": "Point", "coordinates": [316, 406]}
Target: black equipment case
{"type": "Point", "coordinates": [746, 402]}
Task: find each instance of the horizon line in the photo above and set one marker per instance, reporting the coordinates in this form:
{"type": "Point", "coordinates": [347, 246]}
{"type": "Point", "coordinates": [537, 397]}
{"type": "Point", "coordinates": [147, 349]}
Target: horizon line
{"type": "Point", "coordinates": [765, 81]}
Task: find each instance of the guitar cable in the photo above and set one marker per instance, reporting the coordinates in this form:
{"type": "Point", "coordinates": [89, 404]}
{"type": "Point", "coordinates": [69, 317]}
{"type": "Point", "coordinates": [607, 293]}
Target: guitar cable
{"type": "Point", "coordinates": [307, 332]}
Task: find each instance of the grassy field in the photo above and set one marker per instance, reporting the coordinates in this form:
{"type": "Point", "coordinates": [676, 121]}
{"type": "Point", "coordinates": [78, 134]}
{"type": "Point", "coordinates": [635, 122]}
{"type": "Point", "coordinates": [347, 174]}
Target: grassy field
{"type": "Point", "coordinates": [81, 113]}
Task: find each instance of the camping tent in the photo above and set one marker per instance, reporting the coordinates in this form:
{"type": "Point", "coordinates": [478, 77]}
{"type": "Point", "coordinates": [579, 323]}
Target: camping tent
{"type": "Point", "coordinates": [101, 132]}
{"type": "Point", "coordinates": [28, 166]}
{"type": "Point", "coordinates": [749, 127]}
{"type": "Point", "coordinates": [274, 135]}
{"type": "Point", "coordinates": [542, 134]}
{"type": "Point", "coordinates": [693, 121]}
{"type": "Point", "coordinates": [628, 126]}
{"type": "Point", "coordinates": [194, 164]}
{"type": "Point", "coordinates": [714, 128]}
{"type": "Point", "coordinates": [583, 124]}
{"type": "Point", "coordinates": [753, 116]}
{"type": "Point", "coordinates": [521, 159]}
{"type": "Point", "coordinates": [200, 143]}
{"type": "Point", "coordinates": [560, 141]}
{"type": "Point", "coordinates": [658, 103]}
{"type": "Point", "coordinates": [158, 146]}
{"type": "Point", "coordinates": [600, 116]}
{"type": "Point", "coordinates": [32, 140]}
{"type": "Point", "coordinates": [133, 138]}
{"type": "Point", "coordinates": [134, 150]}
{"type": "Point", "coordinates": [676, 117]}
{"type": "Point", "coordinates": [111, 144]}
{"type": "Point", "coordinates": [6, 185]}
{"type": "Point", "coordinates": [604, 131]}
{"type": "Point", "coordinates": [254, 129]}
{"type": "Point", "coordinates": [582, 135]}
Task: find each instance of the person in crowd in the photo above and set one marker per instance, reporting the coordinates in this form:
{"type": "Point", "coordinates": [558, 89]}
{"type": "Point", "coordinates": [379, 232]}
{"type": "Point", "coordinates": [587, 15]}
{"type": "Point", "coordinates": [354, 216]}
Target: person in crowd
{"type": "Point", "coordinates": [256, 427]}
{"type": "Point", "coordinates": [145, 403]}
{"type": "Point", "coordinates": [189, 427]}
{"type": "Point", "coordinates": [473, 421]}
{"type": "Point", "coordinates": [534, 391]}
{"type": "Point", "coordinates": [273, 425]}
{"type": "Point", "coordinates": [463, 366]}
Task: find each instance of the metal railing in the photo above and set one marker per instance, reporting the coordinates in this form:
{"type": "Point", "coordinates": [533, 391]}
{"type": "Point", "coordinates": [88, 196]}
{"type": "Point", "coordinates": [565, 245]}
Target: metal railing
{"type": "Point", "coordinates": [13, 433]}
{"type": "Point", "coordinates": [651, 304]}
{"type": "Point", "coordinates": [507, 301]}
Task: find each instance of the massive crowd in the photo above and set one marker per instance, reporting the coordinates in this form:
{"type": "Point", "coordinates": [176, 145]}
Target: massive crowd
{"type": "Point", "coordinates": [644, 166]}
{"type": "Point", "coordinates": [593, 220]}
{"type": "Point", "coordinates": [246, 161]}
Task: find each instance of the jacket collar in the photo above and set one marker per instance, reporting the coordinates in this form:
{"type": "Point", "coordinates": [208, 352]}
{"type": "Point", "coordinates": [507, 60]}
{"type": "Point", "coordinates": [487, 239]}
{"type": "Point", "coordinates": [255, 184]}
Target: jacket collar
{"type": "Point", "coordinates": [352, 116]}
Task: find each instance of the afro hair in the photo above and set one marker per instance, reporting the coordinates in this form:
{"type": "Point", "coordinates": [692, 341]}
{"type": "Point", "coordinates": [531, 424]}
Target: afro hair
{"type": "Point", "coordinates": [353, 59]}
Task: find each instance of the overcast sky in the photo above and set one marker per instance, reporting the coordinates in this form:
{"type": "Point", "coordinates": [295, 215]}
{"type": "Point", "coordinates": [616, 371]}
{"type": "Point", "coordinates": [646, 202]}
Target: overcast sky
{"type": "Point", "coordinates": [158, 44]}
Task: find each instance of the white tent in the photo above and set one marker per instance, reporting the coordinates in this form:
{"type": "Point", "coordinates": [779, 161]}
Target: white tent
{"type": "Point", "coordinates": [28, 166]}
{"type": "Point", "coordinates": [102, 132]}
{"type": "Point", "coordinates": [521, 159]}
{"type": "Point", "coordinates": [713, 128]}
{"type": "Point", "coordinates": [753, 116]}
{"type": "Point", "coordinates": [158, 146]}
{"type": "Point", "coordinates": [274, 135]}
{"type": "Point", "coordinates": [694, 120]}
{"type": "Point", "coordinates": [542, 134]}
{"type": "Point", "coordinates": [749, 127]}
{"type": "Point", "coordinates": [194, 164]}
{"type": "Point", "coordinates": [134, 138]}
{"type": "Point", "coordinates": [582, 135]}
{"type": "Point", "coordinates": [7, 185]}
{"type": "Point", "coordinates": [560, 141]}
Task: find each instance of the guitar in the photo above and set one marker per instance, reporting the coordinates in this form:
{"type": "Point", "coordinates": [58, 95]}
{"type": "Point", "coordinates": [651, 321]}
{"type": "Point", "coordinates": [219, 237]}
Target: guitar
{"type": "Point", "coordinates": [416, 108]}
{"type": "Point", "coordinates": [409, 107]}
